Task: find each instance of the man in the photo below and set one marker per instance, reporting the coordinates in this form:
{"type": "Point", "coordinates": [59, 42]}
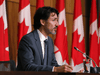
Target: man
{"type": "Point", "coordinates": [36, 49]}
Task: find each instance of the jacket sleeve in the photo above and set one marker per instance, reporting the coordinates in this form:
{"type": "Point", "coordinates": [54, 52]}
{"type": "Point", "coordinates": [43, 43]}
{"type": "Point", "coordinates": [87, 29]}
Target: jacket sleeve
{"type": "Point", "coordinates": [54, 62]}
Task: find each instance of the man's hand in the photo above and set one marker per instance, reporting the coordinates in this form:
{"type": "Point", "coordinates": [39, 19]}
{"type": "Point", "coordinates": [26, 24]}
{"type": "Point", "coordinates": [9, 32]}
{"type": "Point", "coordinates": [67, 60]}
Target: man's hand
{"type": "Point", "coordinates": [63, 68]}
{"type": "Point", "coordinates": [81, 71]}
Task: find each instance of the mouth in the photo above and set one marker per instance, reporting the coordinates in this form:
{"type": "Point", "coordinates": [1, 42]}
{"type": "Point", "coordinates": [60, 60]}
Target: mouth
{"type": "Point", "coordinates": [55, 29]}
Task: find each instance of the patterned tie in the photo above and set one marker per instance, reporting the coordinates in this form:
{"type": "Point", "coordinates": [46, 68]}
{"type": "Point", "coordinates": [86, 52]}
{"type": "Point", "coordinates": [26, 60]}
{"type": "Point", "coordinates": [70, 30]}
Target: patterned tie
{"type": "Point", "coordinates": [45, 54]}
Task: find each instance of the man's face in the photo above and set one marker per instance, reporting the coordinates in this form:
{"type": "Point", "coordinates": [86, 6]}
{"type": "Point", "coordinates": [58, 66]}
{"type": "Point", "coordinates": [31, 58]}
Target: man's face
{"type": "Point", "coordinates": [51, 24]}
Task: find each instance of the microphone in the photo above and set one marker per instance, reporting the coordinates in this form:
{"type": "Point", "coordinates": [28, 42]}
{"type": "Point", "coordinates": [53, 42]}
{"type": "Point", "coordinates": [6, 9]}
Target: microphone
{"type": "Point", "coordinates": [86, 55]}
{"type": "Point", "coordinates": [92, 69]}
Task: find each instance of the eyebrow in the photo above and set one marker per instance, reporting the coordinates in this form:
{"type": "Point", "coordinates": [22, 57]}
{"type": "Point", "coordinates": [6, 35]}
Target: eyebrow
{"type": "Point", "coordinates": [55, 19]}
{"type": "Point", "coordinates": [53, 14]}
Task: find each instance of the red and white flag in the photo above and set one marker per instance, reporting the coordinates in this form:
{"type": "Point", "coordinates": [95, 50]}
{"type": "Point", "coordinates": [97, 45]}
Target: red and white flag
{"type": "Point", "coordinates": [93, 34]}
{"type": "Point", "coordinates": [77, 36]}
{"type": "Point", "coordinates": [99, 37]}
{"type": "Point", "coordinates": [4, 47]}
{"type": "Point", "coordinates": [24, 21]}
{"type": "Point", "coordinates": [60, 43]}
{"type": "Point", "coordinates": [39, 3]}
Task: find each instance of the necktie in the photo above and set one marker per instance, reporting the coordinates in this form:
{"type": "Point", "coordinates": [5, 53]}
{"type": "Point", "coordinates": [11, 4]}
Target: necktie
{"type": "Point", "coordinates": [45, 54]}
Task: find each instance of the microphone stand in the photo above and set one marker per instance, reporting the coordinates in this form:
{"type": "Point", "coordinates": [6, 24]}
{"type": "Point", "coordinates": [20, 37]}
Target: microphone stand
{"type": "Point", "coordinates": [85, 70]}
{"type": "Point", "coordinates": [95, 69]}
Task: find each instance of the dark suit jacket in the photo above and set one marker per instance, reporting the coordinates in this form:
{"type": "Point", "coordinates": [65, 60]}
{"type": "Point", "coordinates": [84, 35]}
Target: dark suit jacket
{"type": "Point", "coordinates": [30, 56]}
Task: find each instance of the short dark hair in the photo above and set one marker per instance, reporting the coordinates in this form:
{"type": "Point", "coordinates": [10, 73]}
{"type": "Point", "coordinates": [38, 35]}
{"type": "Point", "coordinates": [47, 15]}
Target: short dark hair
{"type": "Point", "coordinates": [43, 13]}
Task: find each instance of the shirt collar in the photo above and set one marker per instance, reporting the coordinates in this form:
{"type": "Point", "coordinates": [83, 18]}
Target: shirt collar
{"type": "Point", "coordinates": [42, 37]}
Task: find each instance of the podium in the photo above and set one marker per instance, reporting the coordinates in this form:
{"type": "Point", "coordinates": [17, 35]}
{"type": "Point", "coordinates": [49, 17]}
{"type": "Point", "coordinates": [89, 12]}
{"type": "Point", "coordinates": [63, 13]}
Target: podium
{"type": "Point", "coordinates": [41, 73]}
{"type": "Point", "coordinates": [95, 70]}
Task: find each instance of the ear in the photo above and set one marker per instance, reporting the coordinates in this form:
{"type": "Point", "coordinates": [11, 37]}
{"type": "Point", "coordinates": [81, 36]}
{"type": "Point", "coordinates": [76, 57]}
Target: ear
{"type": "Point", "coordinates": [42, 22]}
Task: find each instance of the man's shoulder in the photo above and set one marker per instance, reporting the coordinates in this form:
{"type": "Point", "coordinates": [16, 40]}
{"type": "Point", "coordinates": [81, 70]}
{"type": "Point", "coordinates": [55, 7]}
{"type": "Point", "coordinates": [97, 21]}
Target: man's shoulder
{"type": "Point", "coordinates": [30, 36]}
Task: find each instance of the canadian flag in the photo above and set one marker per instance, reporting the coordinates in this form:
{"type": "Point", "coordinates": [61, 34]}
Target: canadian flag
{"type": "Point", "coordinates": [99, 37]}
{"type": "Point", "coordinates": [39, 3]}
{"type": "Point", "coordinates": [24, 21]}
{"type": "Point", "coordinates": [4, 47]}
{"type": "Point", "coordinates": [60, 43]}
{"type": "Point", "coordinates": [94, 54]}
{"type": "Point", "coordinates": [77, 36]}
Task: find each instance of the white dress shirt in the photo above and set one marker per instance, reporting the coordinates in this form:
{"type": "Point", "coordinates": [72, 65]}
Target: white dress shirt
{"type": "Point", "coordinates": [42, 39]}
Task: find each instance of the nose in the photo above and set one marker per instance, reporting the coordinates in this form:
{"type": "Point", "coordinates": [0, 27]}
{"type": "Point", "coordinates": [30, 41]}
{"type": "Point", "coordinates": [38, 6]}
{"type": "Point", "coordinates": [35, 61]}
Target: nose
{"type": "Point", "coordinates": [57, 23]}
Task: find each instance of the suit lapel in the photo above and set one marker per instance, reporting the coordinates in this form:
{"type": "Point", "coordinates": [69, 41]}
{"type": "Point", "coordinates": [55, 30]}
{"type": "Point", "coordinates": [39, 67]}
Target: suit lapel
{"type": "Point", "coordinates": [38, 44]}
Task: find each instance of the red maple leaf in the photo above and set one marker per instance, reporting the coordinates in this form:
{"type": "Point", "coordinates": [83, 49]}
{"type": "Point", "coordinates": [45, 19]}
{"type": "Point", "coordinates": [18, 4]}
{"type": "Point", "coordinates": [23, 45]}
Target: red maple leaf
{"type": "Point", "coordinates": [80, 46]}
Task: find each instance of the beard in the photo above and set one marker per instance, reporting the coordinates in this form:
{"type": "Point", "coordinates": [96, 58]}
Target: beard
{"type": "Point", "coordinates": [53, 33]}
{"type": "Point", "coordinates": [54, 30]}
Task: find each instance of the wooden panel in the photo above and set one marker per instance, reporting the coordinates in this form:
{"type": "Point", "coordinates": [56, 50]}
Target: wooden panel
{"type": "Point", "coordinates": [83, 6]}
{"type": "Point", "coordinates": [33, 2]}
{"type": "Point", "coordinates": [10, 30]}
{"type": "Point", "coordinates": [15, 28]}
{"type": "Point", "coordinates": [13, 25]}
{"type": "Point", "coordinates": [33, 10]}
{"type": "Point", "coordinates": [53, 3]}
{"type": "Point", "coordinates": [86, 33]}
{"type": "Point", "coordinates": [69, 6]}
{"type": "Point", "coordinates": [69, 20]}
{"type": "Point", "coordinates": [86, 4]}
{"type": "Point", "coordinates": [14, 1]}
{"type": "Point", "coordinates": [47, 2]}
